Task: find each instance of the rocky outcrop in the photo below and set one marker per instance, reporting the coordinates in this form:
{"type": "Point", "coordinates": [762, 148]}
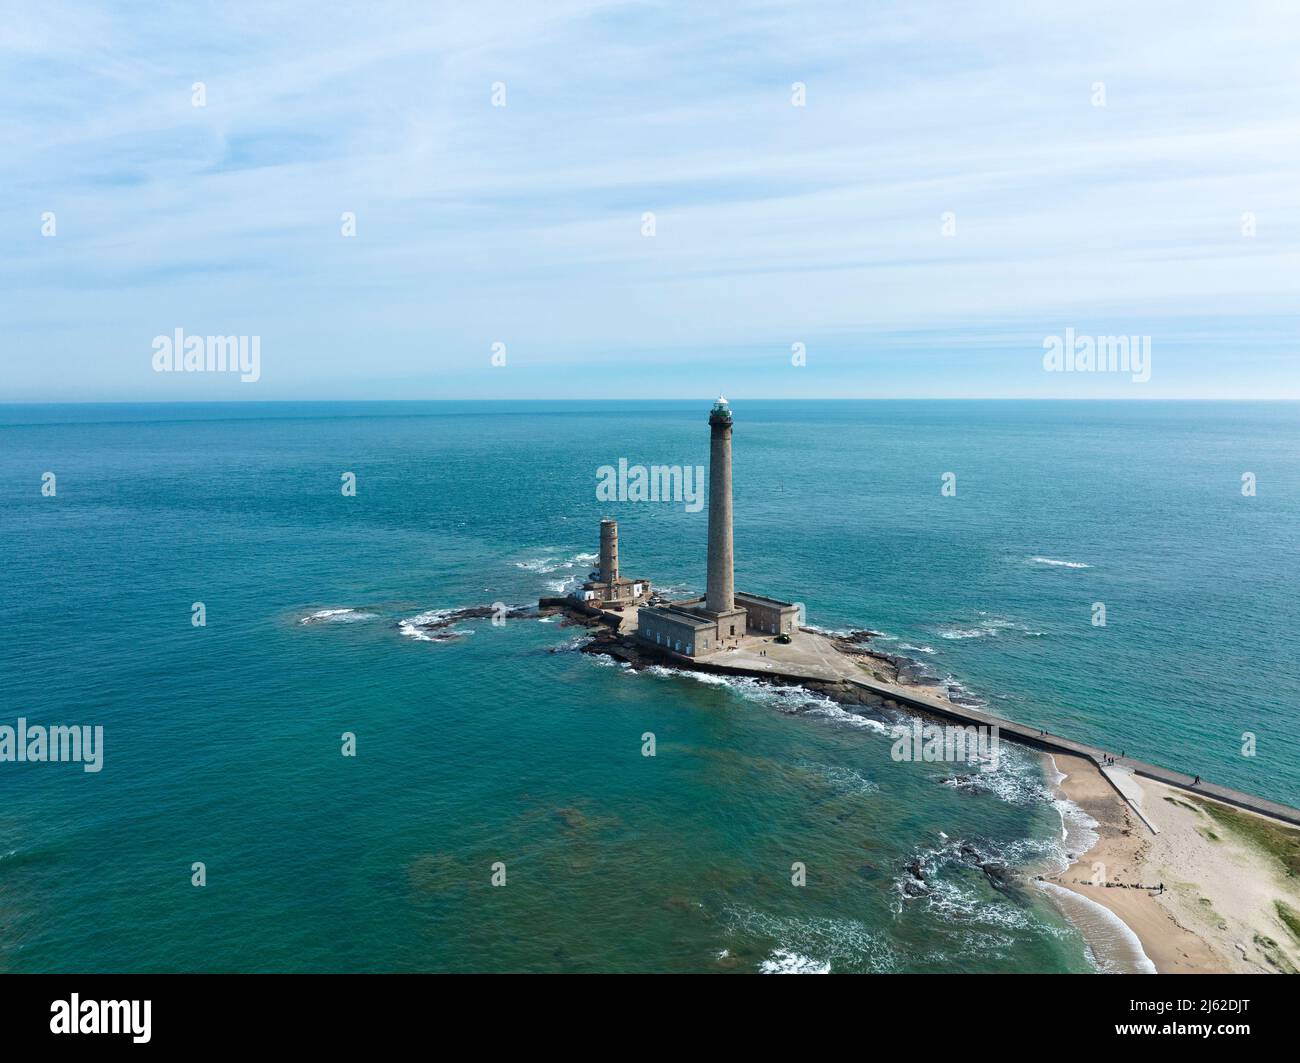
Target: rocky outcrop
{"type": "Point", "coordinates": [439, 627]}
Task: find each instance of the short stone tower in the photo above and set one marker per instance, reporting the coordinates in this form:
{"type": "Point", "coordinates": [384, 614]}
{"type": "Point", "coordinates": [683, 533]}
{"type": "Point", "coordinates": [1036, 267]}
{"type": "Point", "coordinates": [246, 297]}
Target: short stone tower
{"type": "Point", "coordinates": [606, 589]}
{"type": "Point", "coordinates": [609, 550]}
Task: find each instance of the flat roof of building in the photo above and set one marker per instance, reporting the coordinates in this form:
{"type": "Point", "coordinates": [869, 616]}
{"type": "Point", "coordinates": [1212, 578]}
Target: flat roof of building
{"type": "Point", "coordinates": [622, 581]}
{"type": "Point", "coordinates": [676, 617]}
{"type": "Point", "coordinates": [763, 598]}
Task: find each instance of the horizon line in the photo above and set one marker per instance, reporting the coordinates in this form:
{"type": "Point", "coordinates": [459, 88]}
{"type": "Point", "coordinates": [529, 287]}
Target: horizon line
{"type": "Point", "coordinates": [665, 398]}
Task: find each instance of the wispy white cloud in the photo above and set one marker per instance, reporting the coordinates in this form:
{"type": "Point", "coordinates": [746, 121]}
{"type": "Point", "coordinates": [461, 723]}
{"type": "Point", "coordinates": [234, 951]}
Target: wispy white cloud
{"type": "Point", "coordinates": [774, 223]}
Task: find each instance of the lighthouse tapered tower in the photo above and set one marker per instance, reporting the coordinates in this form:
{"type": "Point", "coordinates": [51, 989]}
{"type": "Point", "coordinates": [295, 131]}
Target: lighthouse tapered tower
{"type": "Point", "coordinates": [720, 594]}
{"type": "Point", "coordinates": [722, 620]}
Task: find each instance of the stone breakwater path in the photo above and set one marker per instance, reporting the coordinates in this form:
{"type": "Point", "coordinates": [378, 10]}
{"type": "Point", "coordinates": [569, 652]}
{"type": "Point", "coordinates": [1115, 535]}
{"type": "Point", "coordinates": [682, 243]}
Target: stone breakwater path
{"type": "Point", "coordinates": [847, 671]}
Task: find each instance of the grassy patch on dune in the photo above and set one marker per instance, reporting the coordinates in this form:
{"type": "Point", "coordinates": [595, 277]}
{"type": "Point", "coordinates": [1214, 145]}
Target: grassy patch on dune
{"type": "Point", "coordinates": [1290, 918]}
{"type": "Point", "coordinates": [1278, 841]}
{"type": "Point", "coordinates": [1207, 906]}
{"type": "Point", "coordinates": [1273, 954]}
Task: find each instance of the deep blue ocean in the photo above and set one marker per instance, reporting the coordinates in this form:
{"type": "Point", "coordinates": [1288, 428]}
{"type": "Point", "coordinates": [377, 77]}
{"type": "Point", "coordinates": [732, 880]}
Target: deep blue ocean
{"type": "Point", "coordinates": [222, 742]}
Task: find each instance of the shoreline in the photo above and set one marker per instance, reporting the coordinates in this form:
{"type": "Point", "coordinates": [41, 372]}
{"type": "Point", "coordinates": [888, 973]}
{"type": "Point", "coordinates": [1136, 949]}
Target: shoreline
{"type": "Point", "coordinates": [1117, 855]}
{"type": "Point", "coordinates": [845, 668]}
{"type": "Point", "coordinates": [1230, 901]}
{"type": "Point", "coordinates": [1219, 910]}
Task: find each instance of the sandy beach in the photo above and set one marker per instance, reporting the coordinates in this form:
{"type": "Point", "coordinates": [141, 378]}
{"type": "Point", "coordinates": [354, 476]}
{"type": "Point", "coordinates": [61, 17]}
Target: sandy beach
{"type": "Point", "coordinates": [1228, 897]}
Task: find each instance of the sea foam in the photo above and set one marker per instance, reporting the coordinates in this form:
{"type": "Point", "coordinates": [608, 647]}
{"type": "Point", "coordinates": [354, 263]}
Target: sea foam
{"type": "Point", "coordinates": [337, 616]}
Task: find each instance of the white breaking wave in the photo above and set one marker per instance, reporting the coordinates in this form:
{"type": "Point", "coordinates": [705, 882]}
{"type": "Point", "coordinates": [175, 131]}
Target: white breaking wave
{"type": "Point", "coordinates": [958, 693]}
{"type": "Point", "coordinates": [829, 632]}
{"type": "Point", "coordinates": [1112, 945]}
{"type": "Point", "coordinates": [838, 714]}
{"type": "Point", "coordinates": [960, 903]}
{"type": "Point", "coordinates": [412, 627]}
{"type": "Point", "coordinates": [959, 892]}
{"type": "Point", "coordinates": [577, 642]}
{"type": "Point", "coordinates": [541, 564]}
{"type": "Point", "coordinates": [989, 627]}
{"type": "Point", "coordinates": [783, 698]}
{"type": "Point", "coordinates": [337, 616]}
{"type": "Point", "coordinates": [552, 563]}
{"type": "Point", "coordinates": [786, 699]}
{"type": "Point", "coordinates": [1059, 564]}
{"type": "Point", "coordinates": [431, 616]}
{"type": "Point", "coordinates": [1078, 829]}
{"type": "Point", "coordinates": [847, 780]}
{"type": "Point", "coordinates": [786, 961]}
{"type": "Point", "coordinates": [1017, 780]}
{"type": "Point", "coordinates": [813, 944]}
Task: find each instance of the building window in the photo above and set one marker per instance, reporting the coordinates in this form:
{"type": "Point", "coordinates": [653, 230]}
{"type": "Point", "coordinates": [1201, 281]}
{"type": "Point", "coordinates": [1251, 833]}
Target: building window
{"type": "Point", "coordinates": [733, 629]}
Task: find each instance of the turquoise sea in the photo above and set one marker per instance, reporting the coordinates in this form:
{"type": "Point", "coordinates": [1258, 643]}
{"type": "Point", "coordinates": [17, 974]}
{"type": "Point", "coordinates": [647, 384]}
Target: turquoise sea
{"type": "Point", "coordinates": [222, 743]}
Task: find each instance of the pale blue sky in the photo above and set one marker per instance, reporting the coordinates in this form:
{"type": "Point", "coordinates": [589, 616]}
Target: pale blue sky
{"type": "Point", "coordinates": [775, 224]}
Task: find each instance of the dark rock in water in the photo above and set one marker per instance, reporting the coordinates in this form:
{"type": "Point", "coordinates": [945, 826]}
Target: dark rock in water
{"type": "Point", "coordinates": [915, 889]}
{"type": "Point", "coordinates": [567, 647]}
{"type": "Point", "coordinates": [572, 818]}
{"type": "Point", "coordinates": [437, 629]}
{"type": "Point", "coordinates": [966, 784]}
{"type": "Point", "coordinates": [917, 871]}
{"type": "Point", "coordinates": [998, 873]}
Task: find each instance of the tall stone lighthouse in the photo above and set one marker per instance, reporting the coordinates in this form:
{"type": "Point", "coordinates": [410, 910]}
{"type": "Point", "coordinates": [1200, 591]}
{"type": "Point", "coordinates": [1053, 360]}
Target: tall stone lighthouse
{"type": "Point", "coordinates": [720, 593]}
{"type": "Point", "coordinates": [722, 620]}
{"type": "Point", "coordinates": [720, 586]}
